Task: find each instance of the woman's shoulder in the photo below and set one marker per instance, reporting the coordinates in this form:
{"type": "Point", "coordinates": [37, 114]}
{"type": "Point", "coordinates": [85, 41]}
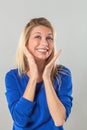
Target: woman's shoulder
{"type": "Point", "coordinates": [63, 75]}
{"type": "Point", "coordinates": [12, 72]}
{"type": "Point", "coordinates": [63, 70]}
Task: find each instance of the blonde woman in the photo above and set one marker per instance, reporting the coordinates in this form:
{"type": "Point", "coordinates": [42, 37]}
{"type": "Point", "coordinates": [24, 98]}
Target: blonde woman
{"type": "Point", "coordinates": [38, 92]}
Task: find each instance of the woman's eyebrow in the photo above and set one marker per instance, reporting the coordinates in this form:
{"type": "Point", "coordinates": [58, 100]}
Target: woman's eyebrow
{"type": "Point", "coordinates": [50, 34]}
{"type": "Point", "coordinates": [36, 33]}
{"type": "Point", "coordinates": [41, 33]}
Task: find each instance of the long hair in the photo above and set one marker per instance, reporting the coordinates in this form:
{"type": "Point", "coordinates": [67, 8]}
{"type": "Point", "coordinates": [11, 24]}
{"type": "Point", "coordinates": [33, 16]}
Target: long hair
{"type": "Point", "coordinates": [20, 57]}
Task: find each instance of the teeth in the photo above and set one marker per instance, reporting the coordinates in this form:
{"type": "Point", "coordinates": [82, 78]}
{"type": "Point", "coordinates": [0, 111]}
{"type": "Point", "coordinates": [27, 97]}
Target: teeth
{"type": "Point", "coordinates": [42, 50]}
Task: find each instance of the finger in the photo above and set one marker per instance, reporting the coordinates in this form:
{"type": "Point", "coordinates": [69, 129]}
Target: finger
{"type": "Point", "coordinates": [55, 57]}
{"type": "Point", "coordinates": [26, 52]}
{"type": "Point", "coordinates": [59, 52]}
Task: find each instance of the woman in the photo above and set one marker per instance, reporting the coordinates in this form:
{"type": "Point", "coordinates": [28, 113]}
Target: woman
{"type": "Point", "coordinates": [39, 92]}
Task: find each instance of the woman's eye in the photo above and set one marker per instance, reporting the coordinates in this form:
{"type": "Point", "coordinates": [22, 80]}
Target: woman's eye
{"type": "Point", "coordinates": [49, 38]}
{"type": "Point", "coordinates": [39, 37]}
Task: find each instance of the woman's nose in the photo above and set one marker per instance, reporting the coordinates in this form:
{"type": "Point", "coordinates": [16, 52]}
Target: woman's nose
{"type": "Point", "coordinates": [44, 41]}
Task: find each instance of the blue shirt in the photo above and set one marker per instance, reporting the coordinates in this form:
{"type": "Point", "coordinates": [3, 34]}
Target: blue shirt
{"type": "Point", "coordinates": [28, 115]}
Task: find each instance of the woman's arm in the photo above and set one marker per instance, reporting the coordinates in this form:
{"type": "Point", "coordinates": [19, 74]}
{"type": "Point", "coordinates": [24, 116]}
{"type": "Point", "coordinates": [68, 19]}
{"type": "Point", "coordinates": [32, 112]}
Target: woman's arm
{"type": "Point", "coordinates": [33, 74]}
{"type": "Point", "coordinates": [21, 107]}
{"type": "Point", "coordinates": [56, 108]}
{"type": "Point", "coordinates": [30, 90]}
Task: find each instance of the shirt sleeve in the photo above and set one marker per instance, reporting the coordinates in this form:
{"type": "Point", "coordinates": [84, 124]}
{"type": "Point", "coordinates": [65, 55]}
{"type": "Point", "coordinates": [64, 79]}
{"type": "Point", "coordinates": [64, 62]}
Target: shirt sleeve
{"type": "Point", "coordinates": [65, 89]}
{"type": "Point", "coordinates": [20, 108]}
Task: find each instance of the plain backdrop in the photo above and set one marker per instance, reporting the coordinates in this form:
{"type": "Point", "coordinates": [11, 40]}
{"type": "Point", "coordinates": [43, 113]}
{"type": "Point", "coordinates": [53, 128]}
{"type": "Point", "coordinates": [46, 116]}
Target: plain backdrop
{"type": "Point", "coordinates": [69, 18]}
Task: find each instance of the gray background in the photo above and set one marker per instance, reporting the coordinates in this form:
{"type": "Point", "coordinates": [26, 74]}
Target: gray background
{"type": "Point", "coordinates": [69, 18]}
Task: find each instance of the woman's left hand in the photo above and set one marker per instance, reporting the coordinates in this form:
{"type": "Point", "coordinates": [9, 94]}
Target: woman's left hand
{"type": "Point", "coordinates": [49, 66]}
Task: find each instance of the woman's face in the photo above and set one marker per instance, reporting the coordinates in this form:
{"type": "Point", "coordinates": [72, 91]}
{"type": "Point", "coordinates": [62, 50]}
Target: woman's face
{"type": "Point", "coordinates": [41, 42]}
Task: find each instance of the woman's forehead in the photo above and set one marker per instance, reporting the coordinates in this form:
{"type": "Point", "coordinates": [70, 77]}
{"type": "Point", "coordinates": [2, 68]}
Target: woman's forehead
{"type": "Point", "coordinates": [41, 29]}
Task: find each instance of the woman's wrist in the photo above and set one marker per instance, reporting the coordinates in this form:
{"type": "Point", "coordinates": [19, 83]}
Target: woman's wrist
{"type": "Point", "coordinates": [33, 79]}
{"type": "Point", "coordinates": [46, 79]}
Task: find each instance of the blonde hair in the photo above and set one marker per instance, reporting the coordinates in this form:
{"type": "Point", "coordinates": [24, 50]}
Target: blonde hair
{"type": "Point", "coordinates": [20, 57]}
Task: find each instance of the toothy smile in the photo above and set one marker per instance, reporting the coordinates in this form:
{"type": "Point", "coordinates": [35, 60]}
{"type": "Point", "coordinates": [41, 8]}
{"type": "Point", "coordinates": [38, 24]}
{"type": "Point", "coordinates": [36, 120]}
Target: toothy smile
{"type": "Point", "coordinates": [42, 49]}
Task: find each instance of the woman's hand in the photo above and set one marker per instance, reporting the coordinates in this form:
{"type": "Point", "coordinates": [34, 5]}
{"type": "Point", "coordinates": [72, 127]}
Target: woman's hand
{"type": "Point", "coordinates": [49, 66]}
{"type": "Point", "coordinates": [31, 63]}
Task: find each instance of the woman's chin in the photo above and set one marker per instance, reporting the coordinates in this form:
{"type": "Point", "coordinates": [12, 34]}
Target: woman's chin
{"type": "Point", "coordinates": [41, 58]}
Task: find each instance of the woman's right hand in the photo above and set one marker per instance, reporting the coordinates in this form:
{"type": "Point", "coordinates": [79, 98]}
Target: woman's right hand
{"type": "Point", "coordinates": [33, 70]}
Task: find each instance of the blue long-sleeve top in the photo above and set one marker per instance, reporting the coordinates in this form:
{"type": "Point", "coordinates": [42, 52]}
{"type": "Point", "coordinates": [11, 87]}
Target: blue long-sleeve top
{"type": "Point", "coordinates": [28, 115]}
